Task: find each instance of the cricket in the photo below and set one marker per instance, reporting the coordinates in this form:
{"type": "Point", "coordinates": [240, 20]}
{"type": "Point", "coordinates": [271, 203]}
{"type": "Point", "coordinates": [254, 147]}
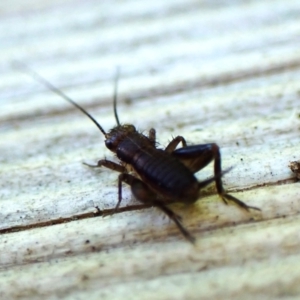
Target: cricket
{"type": "Point", "coordinates": [157, 177]}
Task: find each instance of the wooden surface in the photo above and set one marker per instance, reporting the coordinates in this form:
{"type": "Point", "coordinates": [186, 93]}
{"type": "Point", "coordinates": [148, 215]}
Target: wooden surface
{"type": "Point", "coordinates": [215, 71]}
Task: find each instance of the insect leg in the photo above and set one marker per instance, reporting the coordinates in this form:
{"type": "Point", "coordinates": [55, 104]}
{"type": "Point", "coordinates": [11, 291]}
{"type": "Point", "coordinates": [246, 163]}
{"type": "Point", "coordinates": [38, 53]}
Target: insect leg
{"type": "Point", "coordinates": [152, 136]}
{"type": "Point", "coordinates": [115, 167]}
{"type": "Point", "coordinates": [108, 164]}
{"type": "Point", "coordinates": [176, 220]}
{"type": "Point", "coordinates": [142, 193]}
{"type": "Point", "coordinates": [174, 143]}
{"type": "Point", "coordinates": [199, 156]}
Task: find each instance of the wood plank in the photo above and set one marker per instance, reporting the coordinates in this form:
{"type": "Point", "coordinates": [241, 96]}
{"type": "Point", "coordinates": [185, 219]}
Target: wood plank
{"type": "Point", "coordinates": [210, 71]}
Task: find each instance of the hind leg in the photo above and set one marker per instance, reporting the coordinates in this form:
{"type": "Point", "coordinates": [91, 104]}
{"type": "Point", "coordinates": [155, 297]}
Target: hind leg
{"type": "Point", "coordinates": [197, 157]}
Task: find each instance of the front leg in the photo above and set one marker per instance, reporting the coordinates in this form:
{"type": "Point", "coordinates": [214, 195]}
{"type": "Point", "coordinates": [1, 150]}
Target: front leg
{"type": "Point", "coordinates": [109, 165]}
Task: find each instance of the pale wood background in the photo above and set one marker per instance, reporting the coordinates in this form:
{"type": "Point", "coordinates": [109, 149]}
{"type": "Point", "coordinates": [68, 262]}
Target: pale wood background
{"type": "Point", "coordinates": [212, 71]}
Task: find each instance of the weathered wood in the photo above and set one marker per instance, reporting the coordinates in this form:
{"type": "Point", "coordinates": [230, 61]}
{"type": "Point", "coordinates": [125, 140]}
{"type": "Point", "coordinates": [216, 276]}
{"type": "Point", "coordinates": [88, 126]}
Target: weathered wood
{"type": "Point", "coordinates": [212, 72]}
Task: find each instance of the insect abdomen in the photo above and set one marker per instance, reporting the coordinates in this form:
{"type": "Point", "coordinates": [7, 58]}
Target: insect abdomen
{"type": "Point", "coordinates": [159, 170]}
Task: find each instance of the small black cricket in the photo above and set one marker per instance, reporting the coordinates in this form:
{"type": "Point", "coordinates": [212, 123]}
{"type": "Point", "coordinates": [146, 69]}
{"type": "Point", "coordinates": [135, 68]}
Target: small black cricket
{"type": "Point", "coordinates": [159, 177]}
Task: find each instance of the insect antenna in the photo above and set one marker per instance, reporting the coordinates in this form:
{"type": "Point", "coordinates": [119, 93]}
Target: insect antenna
{"type": "Point", "coordinates": [115, 95]}
{"type": "Point", "coordinates": [57, 91]}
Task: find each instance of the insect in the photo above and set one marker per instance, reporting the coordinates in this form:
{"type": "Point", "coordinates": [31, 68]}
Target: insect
{"type": "Point", "coordinates": [160, 176]}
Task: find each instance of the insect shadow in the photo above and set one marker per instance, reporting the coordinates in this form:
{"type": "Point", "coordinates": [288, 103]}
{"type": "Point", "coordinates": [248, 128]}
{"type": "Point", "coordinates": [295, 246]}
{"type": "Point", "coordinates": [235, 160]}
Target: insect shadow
{"type": "Point", "coordinates": [160, 176]}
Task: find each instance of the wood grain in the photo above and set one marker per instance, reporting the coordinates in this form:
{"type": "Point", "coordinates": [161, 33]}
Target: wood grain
{"type": "Point", "coordinates": [218, 71]}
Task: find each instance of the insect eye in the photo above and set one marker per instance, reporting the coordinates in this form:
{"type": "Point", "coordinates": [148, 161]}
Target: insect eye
{"type": "Point", "coordinates": [109, 144]}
